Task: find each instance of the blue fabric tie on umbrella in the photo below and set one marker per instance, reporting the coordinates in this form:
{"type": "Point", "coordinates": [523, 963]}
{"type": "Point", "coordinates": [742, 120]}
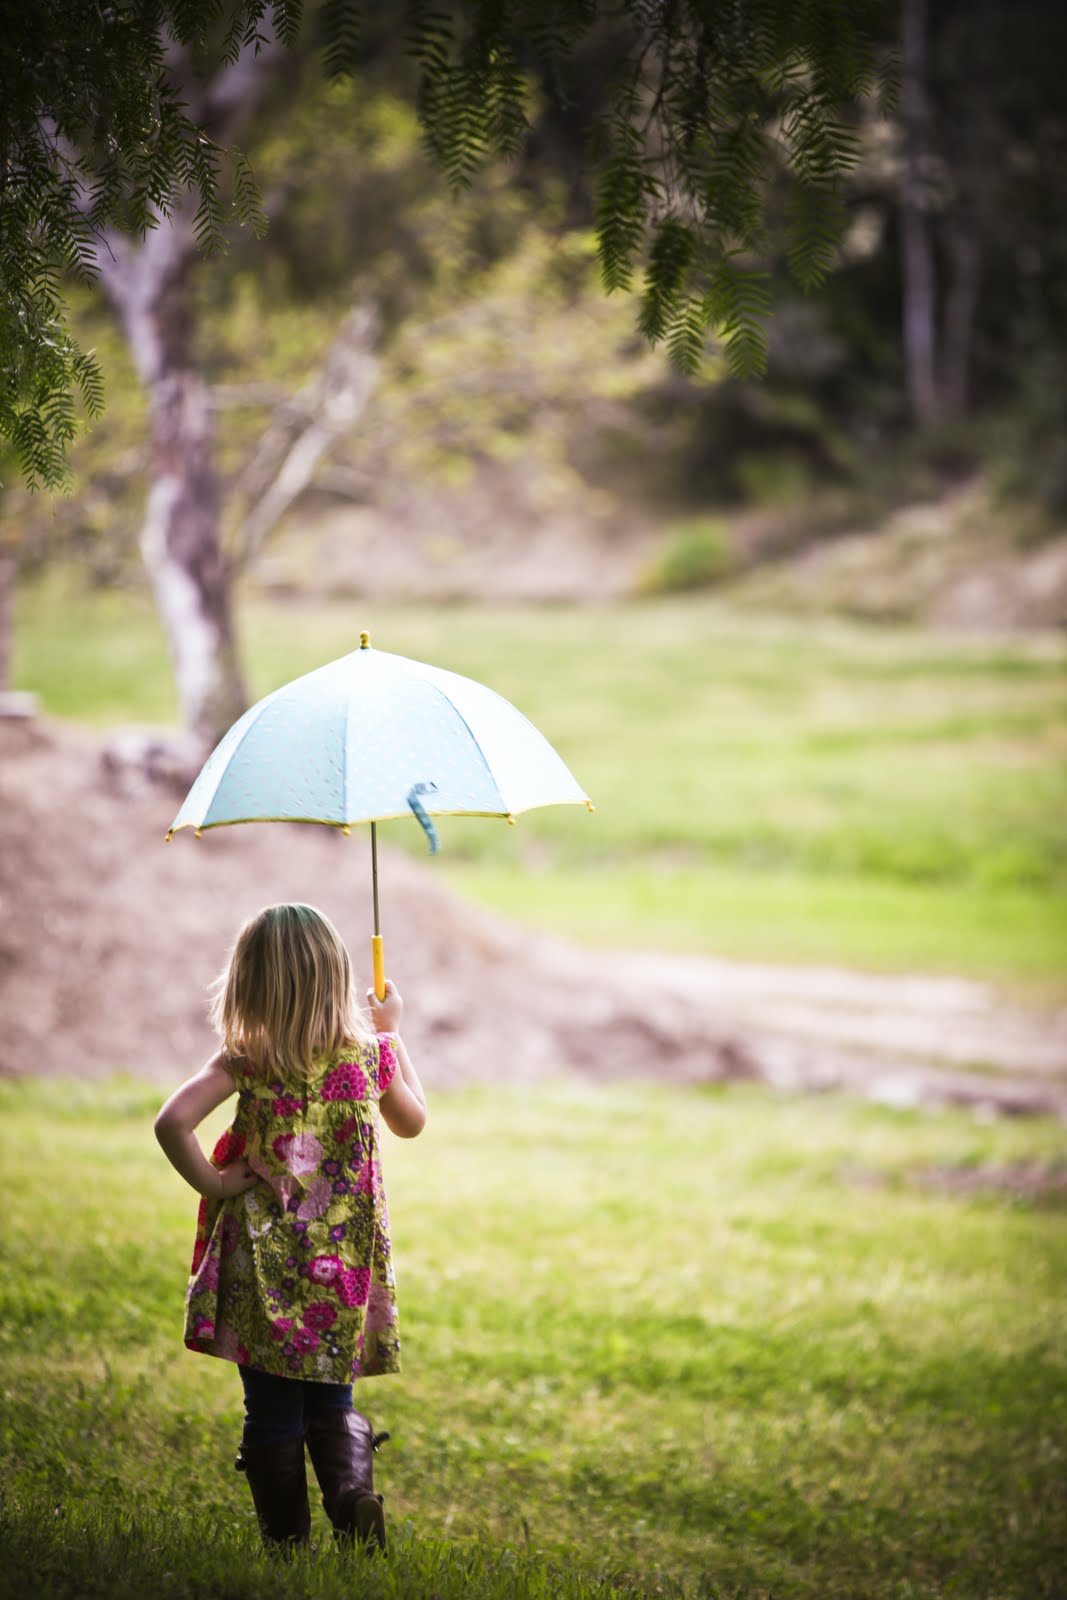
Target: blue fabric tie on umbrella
{"type": "Point", "coordinates": [423, 815]}
{"type": "Point", "coordinates": [375, 736]}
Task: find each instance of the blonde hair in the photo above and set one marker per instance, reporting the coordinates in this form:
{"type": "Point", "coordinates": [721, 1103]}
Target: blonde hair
{"type": "Point", "coordinates": [286, 993]}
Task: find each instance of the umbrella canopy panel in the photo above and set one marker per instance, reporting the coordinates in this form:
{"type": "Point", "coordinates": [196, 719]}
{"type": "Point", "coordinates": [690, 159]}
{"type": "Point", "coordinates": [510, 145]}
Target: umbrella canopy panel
{"type": "Point", "coordinates": [350, 741]}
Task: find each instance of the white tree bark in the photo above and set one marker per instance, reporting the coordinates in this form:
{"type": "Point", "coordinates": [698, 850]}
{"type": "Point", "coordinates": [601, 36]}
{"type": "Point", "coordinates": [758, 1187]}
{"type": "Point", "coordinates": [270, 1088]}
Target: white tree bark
{"type": "Point", "coordinates": [149, 283]}
{"type": "Point", "coordinates": [7, 611]}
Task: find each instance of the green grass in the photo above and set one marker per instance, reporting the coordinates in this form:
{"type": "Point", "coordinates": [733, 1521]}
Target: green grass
{"type": "Point", "coordinates": [765, 787]}
{"type": "Point", "coordinates": [1010, 934]}
{"type": "Point", "coordinates": [713, 1343]}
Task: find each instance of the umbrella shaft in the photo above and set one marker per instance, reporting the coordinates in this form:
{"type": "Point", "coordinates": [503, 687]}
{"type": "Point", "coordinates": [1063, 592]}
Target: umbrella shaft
{"type": "Point", "coordinates": [374, 872]}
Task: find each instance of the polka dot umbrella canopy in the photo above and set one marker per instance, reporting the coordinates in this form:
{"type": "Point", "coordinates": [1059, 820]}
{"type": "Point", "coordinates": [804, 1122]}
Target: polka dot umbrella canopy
{"type": "Point", "coordinates": [375, 736]}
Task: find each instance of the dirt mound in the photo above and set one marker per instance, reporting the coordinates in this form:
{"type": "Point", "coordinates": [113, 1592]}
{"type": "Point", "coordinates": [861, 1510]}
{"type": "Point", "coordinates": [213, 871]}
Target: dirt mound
{"type": "Point", "coordinates": [109, 937]}
{"type": "Point", "coordinates": [960, 562]}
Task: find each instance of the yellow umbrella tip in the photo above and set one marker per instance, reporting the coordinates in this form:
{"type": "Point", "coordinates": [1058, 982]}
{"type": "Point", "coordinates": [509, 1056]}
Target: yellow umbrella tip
{"type": "Point", "coordinates": [364, 640]}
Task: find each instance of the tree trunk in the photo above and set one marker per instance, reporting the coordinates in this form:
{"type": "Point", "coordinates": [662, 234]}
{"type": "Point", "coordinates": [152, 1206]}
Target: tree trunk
{"type": "Point", "coordinates": [180, 534]}
{"type": "Point", "coordinates": [7, 612]}
{"type": "Point", "coordinates": [917, 252]}
{"type": "Point", "coordinates": [961, 307]}
{"type": "Point", "coordinates": [150, 286]}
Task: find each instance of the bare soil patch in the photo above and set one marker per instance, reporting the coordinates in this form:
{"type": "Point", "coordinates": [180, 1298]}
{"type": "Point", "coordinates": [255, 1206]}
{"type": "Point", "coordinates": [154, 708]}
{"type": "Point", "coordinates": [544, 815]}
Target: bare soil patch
{"type": "Point", "coordinates": [1031, 1183]}
{"type": "Point", "coordinates": [109, 938]}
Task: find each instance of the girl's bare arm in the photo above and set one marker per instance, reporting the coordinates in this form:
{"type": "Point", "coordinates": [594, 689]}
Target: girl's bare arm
{"type": "Point", "coordinates": [175, 1124]}
{"type": "Point", "coordinates": [403, 1105]}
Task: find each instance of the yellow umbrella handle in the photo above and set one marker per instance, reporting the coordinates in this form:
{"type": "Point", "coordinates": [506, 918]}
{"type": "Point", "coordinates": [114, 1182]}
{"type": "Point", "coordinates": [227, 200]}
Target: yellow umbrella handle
{"type": "Point", "coordinates": [376, 955]}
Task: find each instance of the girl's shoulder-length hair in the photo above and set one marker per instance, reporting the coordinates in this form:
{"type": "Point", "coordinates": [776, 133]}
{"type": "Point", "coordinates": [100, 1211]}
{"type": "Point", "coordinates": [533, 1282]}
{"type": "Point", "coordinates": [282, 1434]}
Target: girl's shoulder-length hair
{"type": "Point", "coordinates": [286, 996]}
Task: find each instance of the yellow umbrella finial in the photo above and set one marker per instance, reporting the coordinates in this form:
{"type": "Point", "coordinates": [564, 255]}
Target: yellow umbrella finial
{"type": "Point", "coordinates": [364, 640]}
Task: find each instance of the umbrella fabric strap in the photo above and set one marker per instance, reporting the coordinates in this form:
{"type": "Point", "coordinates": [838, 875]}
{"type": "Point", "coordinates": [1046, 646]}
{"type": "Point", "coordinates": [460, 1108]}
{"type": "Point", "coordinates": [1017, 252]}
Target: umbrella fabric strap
{"type": "Point", "coordinates": [422, 814]}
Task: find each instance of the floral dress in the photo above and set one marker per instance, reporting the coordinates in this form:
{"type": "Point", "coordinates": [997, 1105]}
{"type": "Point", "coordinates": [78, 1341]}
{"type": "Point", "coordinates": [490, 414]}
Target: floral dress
{"type": "Point", "coordinates": [295, 1276]}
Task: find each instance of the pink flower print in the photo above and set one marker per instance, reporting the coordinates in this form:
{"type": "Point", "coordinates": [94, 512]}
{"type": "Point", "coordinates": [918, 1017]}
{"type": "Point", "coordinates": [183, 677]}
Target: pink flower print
{"type": "Point", "coordinates": [367, 1178]}
{"type": "Point", "coordinates": [208, 1276]}
{"type": "Point", "coordinates": [280, 1328]}
{"type": "Point", "coordinates": [203, 1327]}
{"type": "Point", "coordinates": [287, 1106]}
{"type": "Point", "coordinates": [320, 1315]}
{"type": "Point", "coordinates": [298, 1152]}
{"type": "Point", "coordinates": [325, 1269]}
{"type": "Point", "coordinates": [379, 1307]}
{"type": "Point", "coordinates": [346, 1130]}
{"type": "Point", "coordinates": [346, 1081]}
{"type": "Point", "coordinates": [243, 1357]}
{"type": "Point", "coordinates": [230, 1146]}
{"type": "Point", "coordinates": [353, 1286]}
{"type": "Point", "coordinates": [229, 1234]}
{"type": "Point", "coordinates": [305, 1341]}
{"type": "Point", "coordinates": [316, 1199]}
{"type": "Point", "coordinates": [386, 1062]}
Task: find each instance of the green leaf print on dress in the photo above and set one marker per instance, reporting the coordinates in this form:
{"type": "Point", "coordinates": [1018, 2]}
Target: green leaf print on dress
{"type": "Point", "coordinates": [295, 1276]}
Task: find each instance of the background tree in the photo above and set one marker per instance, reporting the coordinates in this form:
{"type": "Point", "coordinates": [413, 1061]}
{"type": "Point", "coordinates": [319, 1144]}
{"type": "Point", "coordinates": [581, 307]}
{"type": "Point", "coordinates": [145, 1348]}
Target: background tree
{"type": "Point", "coordinates": [149, 283]}
{"type": "Point", "coordinates": [94, 136]}
{"type": "Point", "coordinates": [982, 133]}
{"type": "Point", "coordinates": [706, 103]}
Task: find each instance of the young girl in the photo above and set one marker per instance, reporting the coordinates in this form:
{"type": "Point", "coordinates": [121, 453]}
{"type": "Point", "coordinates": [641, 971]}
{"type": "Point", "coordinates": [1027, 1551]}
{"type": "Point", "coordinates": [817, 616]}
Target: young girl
{"type": "Point", "coordinates": [292, 1274]}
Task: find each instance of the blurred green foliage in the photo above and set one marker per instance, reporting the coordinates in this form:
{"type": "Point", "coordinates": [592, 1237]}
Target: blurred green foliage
{"type": "Point", "coordinates": [697, 555]}
{"type": "Point", "coordinates": [504, 361]}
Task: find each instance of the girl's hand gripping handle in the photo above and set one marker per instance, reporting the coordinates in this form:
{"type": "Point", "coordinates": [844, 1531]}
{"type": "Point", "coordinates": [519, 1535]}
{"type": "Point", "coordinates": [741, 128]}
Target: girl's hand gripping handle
{"type": "Point", "coordinates": [387, 1009]}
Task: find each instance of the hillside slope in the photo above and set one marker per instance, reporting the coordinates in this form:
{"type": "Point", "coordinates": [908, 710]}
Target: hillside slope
{"type": "Point", "coordinates": [110, 937]}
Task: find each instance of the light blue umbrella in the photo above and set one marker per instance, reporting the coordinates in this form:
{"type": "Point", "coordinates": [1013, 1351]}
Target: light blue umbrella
{"type": "Point", "coordinates": [374, 736]}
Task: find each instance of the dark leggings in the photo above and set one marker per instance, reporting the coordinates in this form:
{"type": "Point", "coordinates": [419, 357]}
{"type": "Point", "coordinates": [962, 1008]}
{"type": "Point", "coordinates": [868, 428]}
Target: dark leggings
{"type": "Point", "coordinates": [277, 1409]}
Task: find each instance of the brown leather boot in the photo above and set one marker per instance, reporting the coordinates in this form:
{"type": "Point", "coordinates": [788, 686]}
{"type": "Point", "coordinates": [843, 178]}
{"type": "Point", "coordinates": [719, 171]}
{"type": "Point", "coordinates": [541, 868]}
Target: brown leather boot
{"type": "Point", "coordinates": [342, 1445]}
{"type": "Point", "coordinates": [277, 1478]}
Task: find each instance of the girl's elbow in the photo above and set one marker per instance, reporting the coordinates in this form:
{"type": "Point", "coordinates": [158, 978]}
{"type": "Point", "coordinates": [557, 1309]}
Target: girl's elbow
{"type": "Point", "coordinates": [163, 1127]}
{"type": "Point", "coordinates": [410, 1125]}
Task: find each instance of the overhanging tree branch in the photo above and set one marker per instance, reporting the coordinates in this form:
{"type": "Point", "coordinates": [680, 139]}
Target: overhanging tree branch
{"type": "Point", "coordinates": [303, 430]}
{"type": "Point", "coordinates": [723, 75]}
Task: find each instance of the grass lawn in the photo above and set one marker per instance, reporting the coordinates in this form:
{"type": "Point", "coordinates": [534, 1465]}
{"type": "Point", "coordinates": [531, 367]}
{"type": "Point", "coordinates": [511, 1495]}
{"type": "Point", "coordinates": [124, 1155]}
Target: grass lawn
{"type": "Point", "coordinates": [766, 788]}
{"type": "Point", "coordinates": [703, 1343]}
